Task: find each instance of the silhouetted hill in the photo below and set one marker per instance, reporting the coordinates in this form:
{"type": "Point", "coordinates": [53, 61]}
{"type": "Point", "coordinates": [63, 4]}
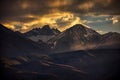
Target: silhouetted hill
{"type": "Point", "coordinates": [13, 43]}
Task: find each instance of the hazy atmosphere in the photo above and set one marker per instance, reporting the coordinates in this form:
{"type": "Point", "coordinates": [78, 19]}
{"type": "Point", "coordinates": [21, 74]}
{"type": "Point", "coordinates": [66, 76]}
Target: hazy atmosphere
{"type": "Point", "coordinates": [60, 39]}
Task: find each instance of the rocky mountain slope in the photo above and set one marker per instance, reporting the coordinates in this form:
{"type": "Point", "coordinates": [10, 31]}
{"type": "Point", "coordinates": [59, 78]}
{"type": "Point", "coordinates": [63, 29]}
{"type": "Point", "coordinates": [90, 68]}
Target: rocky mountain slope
{"type": "Point", "coordinates": [14, 43]}
{"type": "Point", "coordinates": [45, 33]}
{"type": "Point", "coordinates": [79, 37]}
{"type": "Point", "coordinates": [23, 59]}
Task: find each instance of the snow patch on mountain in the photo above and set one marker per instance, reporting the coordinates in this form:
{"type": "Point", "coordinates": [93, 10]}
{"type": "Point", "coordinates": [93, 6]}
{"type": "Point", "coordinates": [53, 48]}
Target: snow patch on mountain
{"type": "Point", "coordinates": [44, 38]}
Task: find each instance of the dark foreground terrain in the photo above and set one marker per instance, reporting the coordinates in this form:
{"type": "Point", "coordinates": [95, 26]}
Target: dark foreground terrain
{"type": "Point", "coordinates": [100, 64]}
{"type": "Point", "coordinates": [24, 59]}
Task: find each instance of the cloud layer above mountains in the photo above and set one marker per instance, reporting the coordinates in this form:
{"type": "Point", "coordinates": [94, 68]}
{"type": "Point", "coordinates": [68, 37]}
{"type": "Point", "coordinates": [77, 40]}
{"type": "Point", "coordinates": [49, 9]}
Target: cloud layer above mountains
{"type": "Point", "coordinates": [57, 13]}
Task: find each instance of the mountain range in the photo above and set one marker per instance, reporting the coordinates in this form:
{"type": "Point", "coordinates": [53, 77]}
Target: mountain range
{"type": "Point", "coordinates": [45, 33]}
{"type": "Point", "coordinates": [14, 43]}
{"type": "Point", "coordinates": [24, 59]}
{"type": "Point", "coordinates": [96, 57]}
{"type": "Point", "coordinates": [79, 37]}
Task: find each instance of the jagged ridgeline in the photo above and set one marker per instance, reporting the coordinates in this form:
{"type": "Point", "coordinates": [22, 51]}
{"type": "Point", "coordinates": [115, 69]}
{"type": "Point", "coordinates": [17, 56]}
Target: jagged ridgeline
{"type": "Point", "coordinates": [78, 53]}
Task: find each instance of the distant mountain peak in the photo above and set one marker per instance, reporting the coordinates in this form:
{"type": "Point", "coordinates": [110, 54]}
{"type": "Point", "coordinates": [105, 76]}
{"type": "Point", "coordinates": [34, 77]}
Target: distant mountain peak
{"type": "Point", "coordinates": [45, 30]}
{"type": "Point", "coordinates": [112, 33]}
{"type": "Point", "coordinates": [76, 27]}
{"type": "Point", "coordinates": [76, 37]}
{"type": "Point", "coordinates": [56, 31]}
{"type": "Point", "coordinates": [4, 29]}
{"type": "Point", "coordinates": [81, 30]}
{"type": "Point", "coordinates": [79, 26]}
{"type": "Point", "coordinates": [45, 33]}
{"type": "Point", "coordinates": [46, 27]}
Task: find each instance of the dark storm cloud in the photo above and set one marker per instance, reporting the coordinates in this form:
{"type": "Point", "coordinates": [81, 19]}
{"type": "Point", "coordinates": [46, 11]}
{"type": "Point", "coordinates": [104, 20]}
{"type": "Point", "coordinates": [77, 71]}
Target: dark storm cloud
{"type": "Point", "coordinates": [13, 10]}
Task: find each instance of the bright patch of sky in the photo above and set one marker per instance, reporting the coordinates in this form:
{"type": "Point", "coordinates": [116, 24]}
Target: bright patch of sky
{"type": "Point", "coordinates": [103, 24]}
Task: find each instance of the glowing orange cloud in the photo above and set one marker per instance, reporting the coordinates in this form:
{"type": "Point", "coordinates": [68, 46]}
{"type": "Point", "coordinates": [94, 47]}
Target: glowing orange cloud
{"type": "Point", "coordinates": [66, 20]}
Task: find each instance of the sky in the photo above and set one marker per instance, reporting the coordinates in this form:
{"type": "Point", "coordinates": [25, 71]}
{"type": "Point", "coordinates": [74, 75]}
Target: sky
{"type": "Point", "coordinates": [24, 15]}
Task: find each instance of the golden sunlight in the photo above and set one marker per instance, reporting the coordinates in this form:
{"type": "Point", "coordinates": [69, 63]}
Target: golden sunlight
{"type": "Point", "coordinates": [60, 20]}
{"type": "Point", "coordinates": [10, 26]}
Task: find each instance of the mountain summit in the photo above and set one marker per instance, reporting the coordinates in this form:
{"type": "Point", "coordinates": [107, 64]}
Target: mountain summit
{"type": "Point", "coordinates": [80, 37]}
{"type": "Point", "coordinates": [75, 38]}
{"type": "Point", "coordinates": [45, 30]}
{"type": "Point", "coordinates": [110, 40]}
{"type": "Point", "coordinates": [45, 33]}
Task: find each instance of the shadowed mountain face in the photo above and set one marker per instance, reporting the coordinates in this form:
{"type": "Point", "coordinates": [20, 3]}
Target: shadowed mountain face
{"type": "Point", "coordinates": [79, 37]}
{"type": "Point", "coordinates": [45, 30]}
{"type": "Point", "coordinates": [23, 59]}
{"type": "Point", "coordinates": [99, 64]}
{"type": "Point", "coordinates": [77, 65]}
{"type": "Point", "coordinates": [14, 43]}
{"type": "Point", "coordinates": [110, 40]}
{"type": "Point", "coordinates": [45, 33]}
